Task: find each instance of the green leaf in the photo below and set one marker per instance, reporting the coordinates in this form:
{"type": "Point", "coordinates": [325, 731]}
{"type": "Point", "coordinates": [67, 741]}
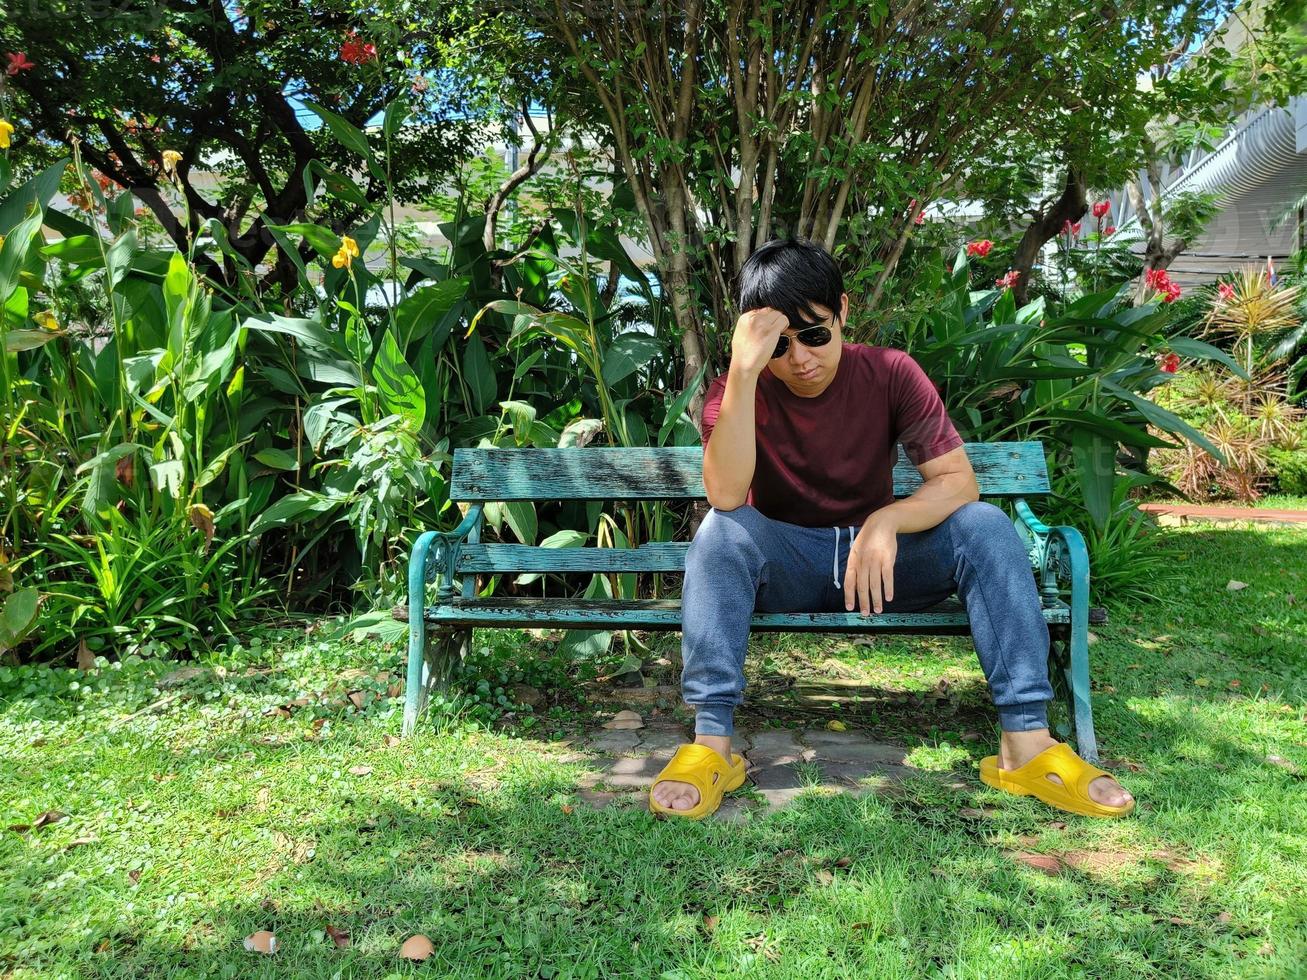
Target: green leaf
{"type": "Point", "coordinates": [1095, 459]}
{"type": "Point", "coordinates": [479, 374]}
{"type": "Point", "coordinates": [18, 340]}
{"type": "Point", "coordinates": [521, 517]}
{"type": "Point", "coordinates": [310, 331]}
{"type": "Point", "coordinates": [323, 240]}
{"type": "Point", "coordinates": [396, 112]}
{"type": "Point", "coordinates": [13, 253]}
{"type": "Point", "coordinates": [278, 459]}
{"type": "Point", "coordinates": [1163, 419]}
{"type": "Point", "coordinates": [677, 408]}
{"type": "Point", "coordinates": [39, 191]}
{"type": "Point", "coordinates": [346, 133]}
{"type": "Point", "coordinates": [628, 353]}
{"type": "Point", "coordinates": [523, 416]}
{"type": "Point", "coordinates": [1111, 428]}
{"type": "Point", "coordinates": [1189, 347]}
{"type": "Point", "coordinates": [17, 617]}
{"type": "Point", "coordinates": [167, 476]}
{"type": "Point", "coordinates": [418, 314]}
{"type": "Point", "coordinates": [588, 644]}
{"type": "Point", "coordinates": [398, 385]}
{"type": "Point", "coordinates": [291, 508]}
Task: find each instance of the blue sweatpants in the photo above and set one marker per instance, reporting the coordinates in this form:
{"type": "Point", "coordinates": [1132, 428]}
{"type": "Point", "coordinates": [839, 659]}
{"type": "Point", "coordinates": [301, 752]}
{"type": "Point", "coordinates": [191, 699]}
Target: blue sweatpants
{"type": "Point", "coordinates": [741, 561]}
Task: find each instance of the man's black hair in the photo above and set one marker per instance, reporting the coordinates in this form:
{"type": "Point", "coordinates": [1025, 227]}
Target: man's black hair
{"type": "Point", "coordinates": [790, 275]}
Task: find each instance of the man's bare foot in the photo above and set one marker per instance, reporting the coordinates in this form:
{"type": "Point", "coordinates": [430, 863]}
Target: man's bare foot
{"type": "Point", "coordinates": [1015, 749]}
{"type": "Point", "coordinates": [683, 796]}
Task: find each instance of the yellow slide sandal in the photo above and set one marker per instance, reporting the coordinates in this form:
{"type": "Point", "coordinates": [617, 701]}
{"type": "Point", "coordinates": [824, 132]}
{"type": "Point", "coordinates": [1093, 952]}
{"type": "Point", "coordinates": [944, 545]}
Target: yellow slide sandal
{"type": "Point", "coordinates": [704, 769]}
{"type": "Point", "coordinates": [1032, 780]}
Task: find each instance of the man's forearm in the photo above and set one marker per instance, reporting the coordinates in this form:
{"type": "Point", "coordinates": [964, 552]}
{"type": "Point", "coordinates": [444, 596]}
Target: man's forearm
{"type": "Point", "coordinates": [930, 504]}
{"type": "Point", "coordinates": [731, 454]}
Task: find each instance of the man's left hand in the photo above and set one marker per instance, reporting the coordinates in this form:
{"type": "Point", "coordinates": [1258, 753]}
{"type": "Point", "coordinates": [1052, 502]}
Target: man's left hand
{"type": "Point", "coordinates": [869, 574]}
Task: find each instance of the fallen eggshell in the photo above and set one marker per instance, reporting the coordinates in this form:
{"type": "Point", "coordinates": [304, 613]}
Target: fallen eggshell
{"type": "Point", "coordinates": [624, 720]}
{"type": "Point", "coordinates": [261, 942]}
{"type": "Point", "coordinates": [416, 948]}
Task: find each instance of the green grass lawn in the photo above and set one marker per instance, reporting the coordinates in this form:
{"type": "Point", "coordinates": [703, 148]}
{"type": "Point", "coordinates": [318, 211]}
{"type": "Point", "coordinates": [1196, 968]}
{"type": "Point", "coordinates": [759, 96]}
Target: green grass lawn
{"type": "Point", "coordinates": [201, 819]}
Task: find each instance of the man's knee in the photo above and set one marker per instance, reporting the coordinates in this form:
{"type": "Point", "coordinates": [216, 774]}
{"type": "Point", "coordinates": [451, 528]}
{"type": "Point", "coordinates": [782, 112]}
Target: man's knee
{"type": "Point", "coordinates": [728, 531]}
{"type": "Point", "coordinates": [983, 524]}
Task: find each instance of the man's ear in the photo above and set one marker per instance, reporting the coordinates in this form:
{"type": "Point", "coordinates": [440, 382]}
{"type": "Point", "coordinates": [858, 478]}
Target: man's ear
{"type": "Point", "coordinates": [844, 308]}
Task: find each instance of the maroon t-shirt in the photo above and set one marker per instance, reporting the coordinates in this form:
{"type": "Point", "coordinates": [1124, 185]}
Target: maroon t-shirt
{"type": "Point", "coordinates": [829, 461]}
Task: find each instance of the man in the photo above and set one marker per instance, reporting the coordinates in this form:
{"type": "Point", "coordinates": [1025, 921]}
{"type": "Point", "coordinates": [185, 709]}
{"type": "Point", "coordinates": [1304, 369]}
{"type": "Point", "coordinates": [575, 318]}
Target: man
{"type": "Point", "coordinates": [799, 448]}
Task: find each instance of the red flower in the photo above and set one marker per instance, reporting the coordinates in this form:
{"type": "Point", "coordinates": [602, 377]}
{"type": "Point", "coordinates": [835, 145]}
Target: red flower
{"type": "Point", "coordinates": [1110, 230]}
{"type": "Point", "coordinates": [1009, 279]}
{"type": "Point", "coordinates": [18, 62]}
{"type": "Point", "coordinates": [1169, 363]}
{"type": "Point", "coordinates": [356, 52]}
{"type": "Point", "coordinates": [1225, 292]}
{"type": "Point", "coordinates": [1101, 208]}
{"type": "Point", "coordinates": [980, 248]}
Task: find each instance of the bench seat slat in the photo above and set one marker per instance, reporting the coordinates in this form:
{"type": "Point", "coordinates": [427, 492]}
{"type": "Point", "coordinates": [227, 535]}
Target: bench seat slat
{"type": "Point", "coordinates": [665, 615]}
{"type": "Point", "coordinates": [1003, 469]}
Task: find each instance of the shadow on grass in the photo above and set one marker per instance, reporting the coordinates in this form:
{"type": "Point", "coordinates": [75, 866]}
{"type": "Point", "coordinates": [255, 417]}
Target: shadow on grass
{"type": "Point", "coordinates": [511, 885]}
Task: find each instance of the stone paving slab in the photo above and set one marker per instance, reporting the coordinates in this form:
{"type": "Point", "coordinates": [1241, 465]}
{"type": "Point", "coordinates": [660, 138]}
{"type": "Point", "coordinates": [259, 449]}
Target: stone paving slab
{"type": "Point", "coordinates": [783, 764]}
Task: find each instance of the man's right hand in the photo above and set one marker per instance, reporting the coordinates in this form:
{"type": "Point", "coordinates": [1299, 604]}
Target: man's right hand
{"type": "Point", "coordinates": [754, 340]}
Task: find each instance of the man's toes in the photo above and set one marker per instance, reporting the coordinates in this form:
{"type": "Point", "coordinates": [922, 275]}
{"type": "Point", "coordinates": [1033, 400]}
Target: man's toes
{"type": "Point", "coordinates": [1108, 792]}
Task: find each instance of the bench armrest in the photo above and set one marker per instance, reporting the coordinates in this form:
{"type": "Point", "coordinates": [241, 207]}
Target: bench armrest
{"type": "Point", "coordinates": [435, 556]}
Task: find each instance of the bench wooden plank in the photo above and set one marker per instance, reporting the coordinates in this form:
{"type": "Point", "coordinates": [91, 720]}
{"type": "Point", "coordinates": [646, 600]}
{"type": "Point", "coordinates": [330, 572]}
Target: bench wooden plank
{"type": "Point", "coordinates": [664, 556]}
{"type": "Point", "coordinates": [1003, 469]}
{"type": "Point", "coordinates": [665, 615]}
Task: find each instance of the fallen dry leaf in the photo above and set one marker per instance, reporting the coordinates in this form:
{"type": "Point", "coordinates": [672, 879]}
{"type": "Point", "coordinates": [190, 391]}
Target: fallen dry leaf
{"type": "Point", "coordinates": [1224, 917]}
{"type": "Point", "coordinates": [1234, 585]}
{"type": "Point", "coordinates": [1046, 863]}
{"type": "Point", "coordinates": [261, 942]}
{"type": "Point", "coordinates": [85, 658]}
{"type": "Point", "coordinates": [824, 877]}
{"type": "Point", "coordinates": [1098, 860]}
{"type": "Point", "coordinates": [709, 923]}
{"type": "Point", "coordinates": [416, 948]}
{"type": "Point", "coordinates": [390, 741]}
{"type": "Point", "coordinates": [135, 875]}
{"type": "Point", "coordinates": [624, 721]}
{"type": "Point", "coordinates": [567, 809]}
{"type": "Point", "coordinates": [1202, 682]}
{"type": "Point", "coordinates": [338, 936]}
{"type": "Point", "coordinates": [843, 862]}
{"type": "Point", "coordinates": [47, 818]}
{"type": "Point", "coordinates": [1282, 763]}
{"type": "Point", "coordinates": [360, 770]}
{"type": "Point", "coordinates": [1234, 685]}
{"type": "Point", "coordinates": [1057, 825]}
{"type": "Point", "coordinates": [79, 842]}
{"type": "Point", "coordinates": [356, 698]}
{"type": "Point", "coordinates": [835, 725]}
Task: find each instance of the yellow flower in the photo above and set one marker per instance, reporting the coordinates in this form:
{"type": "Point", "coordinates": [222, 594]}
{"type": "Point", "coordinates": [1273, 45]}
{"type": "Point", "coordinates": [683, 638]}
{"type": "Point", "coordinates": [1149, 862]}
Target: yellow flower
{"type": "Point", "coordinates": [6, 130]}
{"type": "Point", "coordinates": [46, 319]}
{"type": "Point", "coordinates": [348, 252]}
{"type": "Point", "coordinates": [170, 160]}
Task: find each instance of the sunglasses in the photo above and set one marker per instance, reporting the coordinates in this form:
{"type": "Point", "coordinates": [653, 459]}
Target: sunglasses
{"type": "Point", "coordinates": [808, 337]}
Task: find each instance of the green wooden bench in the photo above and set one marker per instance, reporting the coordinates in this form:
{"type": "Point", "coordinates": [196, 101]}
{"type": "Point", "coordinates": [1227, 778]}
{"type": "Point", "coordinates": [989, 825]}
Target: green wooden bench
{"type": "Point", "coordinates": [440, 633]}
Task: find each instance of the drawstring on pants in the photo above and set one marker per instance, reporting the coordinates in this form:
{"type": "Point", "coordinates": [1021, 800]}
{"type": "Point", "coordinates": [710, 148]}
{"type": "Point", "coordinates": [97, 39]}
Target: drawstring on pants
{"type": "Point", "coordinates": [835, 559]}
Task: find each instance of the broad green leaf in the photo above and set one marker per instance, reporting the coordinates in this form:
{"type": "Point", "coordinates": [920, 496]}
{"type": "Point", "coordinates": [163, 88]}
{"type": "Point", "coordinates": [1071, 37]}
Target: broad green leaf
{"type": "Point", "coordinates": [167, 476]}
{"type": "Point", "coordinates": [309, 331]}
{"type": "Point", "coordinates": [323, 240]}
{"type": "Point", "coordinates": [677, 408]}
{"type": "Point", "coordinates": [278, 459]}
{"type": "Point", "coordinates": [398, 385]}
{"type": "Point", "coordinates": [559, 539]}
{"type": "Point", "coordinates": [427, 307]}
{"type": "Point", "coordinates": [478, 374]}
{"type": "Point", "coordinates": [521, 517]}
{"type": "Point", "coordinates": [293, 507]}
{"type": "Point", "coordinates": [1189, 347]}
{"type": "Point", "coordinates": [1163, 419]}
{"type": "Point", "coordinates": [1095, 459]}
{"type": "Point", "coordinates": [628, 353]}
{"type": "Point", "coordinates": [523, 416]}
{"type": "Point", "coordinates": [346, 133]}
{"type": "Point", "coordinates": [588, 644]}
{"type": "Point", "coordinates": [13, 253]}
{"type": "Point", "coordinates": [17, 615]}
{"type": "Point", "coordinates": [18, 340]}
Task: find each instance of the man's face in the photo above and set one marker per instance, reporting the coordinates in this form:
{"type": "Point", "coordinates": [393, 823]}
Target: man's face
{"type": "Point", "coordinates": [808, 371]}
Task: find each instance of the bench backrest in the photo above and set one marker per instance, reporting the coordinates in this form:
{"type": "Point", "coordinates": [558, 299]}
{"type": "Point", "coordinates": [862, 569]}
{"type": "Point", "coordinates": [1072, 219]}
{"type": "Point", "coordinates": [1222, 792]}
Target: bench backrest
{"type": "Point", "coordinates": [1003, 469]}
